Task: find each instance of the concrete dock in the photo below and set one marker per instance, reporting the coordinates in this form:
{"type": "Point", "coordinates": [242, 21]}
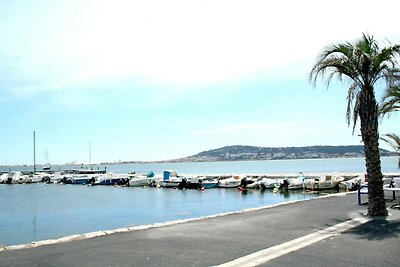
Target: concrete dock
{"type": "Point", "coordinates": [327, 231]}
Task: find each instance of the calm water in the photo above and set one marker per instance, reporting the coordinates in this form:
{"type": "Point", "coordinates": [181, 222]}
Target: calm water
{"type": "Point", "coordinates": [389, 164]}
{"type": "Point", "coordinates": [39, 211]}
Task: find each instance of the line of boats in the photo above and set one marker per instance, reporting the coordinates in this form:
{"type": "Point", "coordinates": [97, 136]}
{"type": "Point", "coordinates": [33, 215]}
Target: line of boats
{"type": "Point", "coordinates": [171, 179]}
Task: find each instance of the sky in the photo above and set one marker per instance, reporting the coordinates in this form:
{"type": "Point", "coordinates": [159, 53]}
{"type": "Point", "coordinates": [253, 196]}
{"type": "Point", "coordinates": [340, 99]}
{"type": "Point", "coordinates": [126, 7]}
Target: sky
{"type": "Point", "coordinates": [157, 80]}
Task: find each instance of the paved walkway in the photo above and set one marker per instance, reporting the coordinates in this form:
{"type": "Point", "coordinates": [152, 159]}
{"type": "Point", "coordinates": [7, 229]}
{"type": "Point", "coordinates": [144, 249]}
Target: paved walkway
{"type": "Point", "coordinates": [328, 231]}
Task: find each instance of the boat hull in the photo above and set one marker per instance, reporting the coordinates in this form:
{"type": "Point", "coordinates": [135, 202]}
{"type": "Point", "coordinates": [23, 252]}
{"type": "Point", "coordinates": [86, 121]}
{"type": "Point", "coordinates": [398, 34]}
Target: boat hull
{"type": "Point", "coordinates": [137, 182]}
{"type": "Point", "coordinates": [229, 184]}
{"type": "Point", "coordinates": [111, 181]}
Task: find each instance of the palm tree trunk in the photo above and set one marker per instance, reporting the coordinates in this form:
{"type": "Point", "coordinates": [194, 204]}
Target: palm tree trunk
{"type": "Point", "coordinates": [370, 136]}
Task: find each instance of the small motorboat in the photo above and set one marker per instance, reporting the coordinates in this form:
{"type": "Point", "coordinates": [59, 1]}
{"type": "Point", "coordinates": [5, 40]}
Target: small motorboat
{"type": "Point", "coordinates": [208, 183]}
{"type": "Point", "coordinates": [199, 183]}
{"type": "Point", "coordinates": [292, 183]}
{"type": "Point", "coordinates": [82, 179]}
{"type": "Point", "coordinates": [231, 182]}
{"type": "Point", "coordinates": [270, 183]}
{"type": "Point", "coordinates": [110, 179]}
{"type": "Point", "coordinates": [36, 178]}
{"type": "Point", "coordinates": [352, 184]}
{"type": "Point", "coordinates": [324, 182]}
{"type": "Point", "coordinates": [171, 179]}
{"type": "Point", "coordinates": [137, 180]}
{"type": "Point", "coordinates": [16, 178]}
{"type": "Point", "coordinates": [3, 178]}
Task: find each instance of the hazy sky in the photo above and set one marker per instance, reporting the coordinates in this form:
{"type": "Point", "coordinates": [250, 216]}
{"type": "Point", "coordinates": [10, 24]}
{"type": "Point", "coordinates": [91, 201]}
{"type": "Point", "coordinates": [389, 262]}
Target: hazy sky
{"type": "Point", "coordinates": [156, 80]}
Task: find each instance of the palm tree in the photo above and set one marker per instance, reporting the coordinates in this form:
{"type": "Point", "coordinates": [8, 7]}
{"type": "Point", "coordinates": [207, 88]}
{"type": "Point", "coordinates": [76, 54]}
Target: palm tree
{"type": "Point", "coordinates": [363, 63]}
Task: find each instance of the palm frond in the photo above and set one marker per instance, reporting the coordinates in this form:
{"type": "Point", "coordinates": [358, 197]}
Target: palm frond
{"type": "Point", "coordinates": [356, 110]}
{"type": "Point", "coordinates": [352, 92]}
{"type": "Point", "coordinates": [333, 60]}
{"type": "Point", "coordinates": [392, 140]}
{"type": "Point", "coordinates": [390, 101]}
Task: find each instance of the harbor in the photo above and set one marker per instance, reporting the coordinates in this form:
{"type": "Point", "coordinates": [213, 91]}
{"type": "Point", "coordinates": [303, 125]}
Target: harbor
{"type": "Point", "coordinates": [54, 208]}
{"type": "Point", "coordinates": [32, 212]}
{"type": "Point", "coordinates": [171, 179]}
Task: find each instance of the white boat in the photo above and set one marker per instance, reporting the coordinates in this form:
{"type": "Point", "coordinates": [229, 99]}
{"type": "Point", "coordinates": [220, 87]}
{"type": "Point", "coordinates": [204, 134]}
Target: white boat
{"type": "Point", "coordinates": [172, 182]}
{"type": "Point", "coordinates": [296, 183]}
{"type": "Point", "coordinates": [351, 184]}
{"type": "Point", "coordinates": [110, 179]}
{"type": "Point", "coordinates": [230, 182]}
{"type": "Point", "coordinates": [323, 182]}
{"type": "Point", "coordinates": [292, 183]}
{"type": "Point", "coordinates": [16, 178]}
{"type": "Point", "coordinates": [270, 183]}
{"type": "Point", "coordinates": [171, 179]}
{"type": "Point", "coordinates": [142, 180]}
{"type": "Point", "coordinates": [59, 177]}
{"type": "Point", "coordinates": [34, 178]}
{"type": "Point", "coordinates": [3, 178]}
{"type": "Point", "coordinates": [46, 177]}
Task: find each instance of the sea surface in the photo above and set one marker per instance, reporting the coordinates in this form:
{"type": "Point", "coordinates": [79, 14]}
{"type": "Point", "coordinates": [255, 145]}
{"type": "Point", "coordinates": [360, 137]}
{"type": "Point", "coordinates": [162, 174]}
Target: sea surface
{"type": "Point", "coordinates": [32, 212]}
{"type": "Point", "coordinates": [341, 165]}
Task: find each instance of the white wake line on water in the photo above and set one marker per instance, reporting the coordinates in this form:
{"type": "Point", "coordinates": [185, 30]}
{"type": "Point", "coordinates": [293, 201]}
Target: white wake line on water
{"type": "Point", "coordinates": [149, 226]}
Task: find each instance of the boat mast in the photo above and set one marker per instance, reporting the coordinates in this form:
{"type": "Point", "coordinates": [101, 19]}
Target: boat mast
{"type": "Point", "coordinates": [90, 155]}
{"type": "Point", "coordinates": [34, 152]}
{"type": "Point", "coordinates": [46, 156]}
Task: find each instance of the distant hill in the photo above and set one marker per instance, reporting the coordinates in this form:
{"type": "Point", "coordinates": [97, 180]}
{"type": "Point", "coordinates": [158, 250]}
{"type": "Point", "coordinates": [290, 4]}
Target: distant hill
{"type": "Point", "coordinates": [232, 153]}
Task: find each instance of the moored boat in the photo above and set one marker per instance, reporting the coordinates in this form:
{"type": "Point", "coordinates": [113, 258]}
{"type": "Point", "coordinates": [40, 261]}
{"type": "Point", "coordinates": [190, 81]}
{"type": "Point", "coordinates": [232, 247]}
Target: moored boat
{"type": "Point", "coordinates": [352, 184]}
{"type": "Point", "coordinates": [3, 178]}
{"type": "Point", "coordinates": [208, 183]}
{"type": "Point", "coordinates": [35, 178]}
{"type": "Point", "coordinates": [141, 180]}
{"type": "Point", "coordinates": [231, 182]}
{"type": "Point", "coordinates": [171, 179]}
{"type": "Point", "coordinates": [270, 183]}
{"type": "Point", "coordinates": [82, 179]}
{"type": "Point", "coordinates": [111, 179]}
{"type": "Point", "coordinates": [199, 182]}
{"type": "Point", "coordinates": [15, 178]}
{"type": "Point", "coordinates": [291, 183]}
{"type": "Point", "coordinates": [324, 182]}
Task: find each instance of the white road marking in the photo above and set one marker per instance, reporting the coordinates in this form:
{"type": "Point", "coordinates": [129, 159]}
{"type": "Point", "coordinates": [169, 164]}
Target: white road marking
{"type": "Point", "coordinates": [268, 254]}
